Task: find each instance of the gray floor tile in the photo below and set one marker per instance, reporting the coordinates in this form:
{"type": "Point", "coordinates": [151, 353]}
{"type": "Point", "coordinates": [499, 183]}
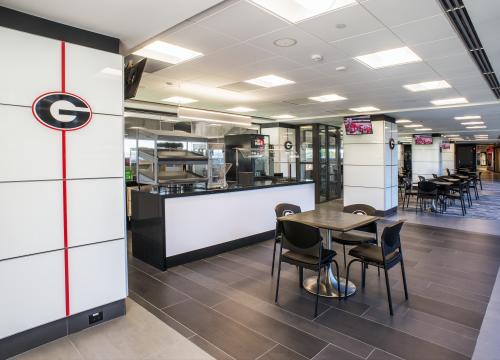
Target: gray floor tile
{"type": "Point", "coordinates": [210, 348]}
{"type": "Point", "coordinates": [332, 352]}
{"type": "Point", "coordinates": [280, 352]}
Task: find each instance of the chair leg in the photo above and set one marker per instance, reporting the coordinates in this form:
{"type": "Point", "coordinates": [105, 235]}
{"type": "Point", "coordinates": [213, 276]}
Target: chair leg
{"type": "Point", "coordinates": [347, 278]}
{"type": "Point", "coordinates": [317, 293]}
{"type": "Point", "coordinates": [279, 273]}
{"type": "Point", "coordinates": [363, 275]}
{"type": "Point", "coordinates": [345, 257]}
{"type": "Point", "coordinates": [338, 277]}
{"type": "Point", "coordinates": [274, 256]}
{"type": "Point", "coordinates": [403, 273]}
{"type": "Point", "coordinates": [301, 277]}
{"type": "Point", "coordinates": [481, 184]}
{"type": "Point", "coordinates": [388, 291]}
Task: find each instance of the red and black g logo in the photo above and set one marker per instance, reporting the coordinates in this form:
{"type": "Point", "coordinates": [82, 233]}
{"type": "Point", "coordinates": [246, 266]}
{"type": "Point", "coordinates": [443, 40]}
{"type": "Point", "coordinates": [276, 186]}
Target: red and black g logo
{"type": "Point", "coordinates": [62, 111]}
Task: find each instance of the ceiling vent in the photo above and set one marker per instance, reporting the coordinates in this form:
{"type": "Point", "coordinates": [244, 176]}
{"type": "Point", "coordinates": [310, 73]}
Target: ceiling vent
{"type": "Point", "coordinates": [456, 11]}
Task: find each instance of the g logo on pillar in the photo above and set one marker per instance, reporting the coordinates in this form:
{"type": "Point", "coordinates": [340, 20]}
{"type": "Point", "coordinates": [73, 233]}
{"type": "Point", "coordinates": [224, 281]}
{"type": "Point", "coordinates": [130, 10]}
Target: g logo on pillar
{"type": "Point", "coordinates": [62, 111]}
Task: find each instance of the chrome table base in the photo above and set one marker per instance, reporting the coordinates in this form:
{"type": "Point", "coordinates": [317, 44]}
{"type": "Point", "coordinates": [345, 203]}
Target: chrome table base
{"type": "Point", "coordinates": [328, 285]}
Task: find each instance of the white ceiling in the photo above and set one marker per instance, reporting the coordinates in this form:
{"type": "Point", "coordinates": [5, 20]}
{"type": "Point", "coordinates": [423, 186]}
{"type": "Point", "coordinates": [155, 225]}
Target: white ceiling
{"type": "Point", "coordinates": [133, 22]}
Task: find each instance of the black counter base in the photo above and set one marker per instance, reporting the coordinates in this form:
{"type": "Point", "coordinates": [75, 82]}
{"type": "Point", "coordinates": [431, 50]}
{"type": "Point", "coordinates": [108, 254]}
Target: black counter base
{"type": "Point", "coordinates": [217, 249]}
{"type": "Point", "coordinates": [32, 338]}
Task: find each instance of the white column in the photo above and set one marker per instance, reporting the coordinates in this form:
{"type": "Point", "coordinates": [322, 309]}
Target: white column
{"type": "Point", "coordinates": [426, 159]}
{"type": "Point", "coordinates": [371, 167]}
{"type": "Point", "coordinates": [448, 159]}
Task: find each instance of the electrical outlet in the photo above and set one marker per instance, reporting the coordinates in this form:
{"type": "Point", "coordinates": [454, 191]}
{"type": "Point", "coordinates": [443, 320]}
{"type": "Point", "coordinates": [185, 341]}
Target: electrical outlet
{"type": "Point", "coordinates": [95, 317]}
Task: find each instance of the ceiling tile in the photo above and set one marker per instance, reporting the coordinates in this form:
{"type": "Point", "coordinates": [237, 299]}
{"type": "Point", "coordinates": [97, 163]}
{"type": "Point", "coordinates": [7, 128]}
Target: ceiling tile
{"type": "Point", "coordinates": [357, 20]}
{"type": "Point", "coordinates": [242, 21]}
{"type": "Point", "coordinates": [379, 40]}
{"type": "Point", "coordinates": [429, 29]}
{"type": "Point", "coordinates": [440, 48]}
{"type": "Point", "coordinates": [396, 12]}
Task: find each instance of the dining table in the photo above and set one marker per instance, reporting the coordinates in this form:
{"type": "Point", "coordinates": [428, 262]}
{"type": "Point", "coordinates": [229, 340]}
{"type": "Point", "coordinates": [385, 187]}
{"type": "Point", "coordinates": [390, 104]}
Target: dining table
{"type": "Point", "coordinates": [330, 220]}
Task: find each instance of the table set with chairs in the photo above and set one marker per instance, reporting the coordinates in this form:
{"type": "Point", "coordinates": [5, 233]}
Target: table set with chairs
{"type": "Point", "coordinates": [436, 194]}
{"type": "Point", "coordinates": [301, 243]}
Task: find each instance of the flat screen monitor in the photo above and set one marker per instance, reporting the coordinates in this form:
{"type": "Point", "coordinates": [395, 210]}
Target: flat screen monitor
{"type": "Point", "coordinates": [445, 146]}
{"type": "Point", "coordinates": [133, 75]}
{"type": "Point", "coordinates": [358, 125]}
{"type": "Point", "coordinates": [423, 139]}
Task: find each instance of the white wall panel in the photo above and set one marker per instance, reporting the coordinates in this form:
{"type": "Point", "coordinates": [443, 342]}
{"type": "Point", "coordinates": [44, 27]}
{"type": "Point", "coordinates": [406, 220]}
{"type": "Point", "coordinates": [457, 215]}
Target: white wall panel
{"type": "Point", "coordinates": [195, 222]}
{"type": "Point", "coordinates": [32, 292]}
{"type": "Point", "coordinates": [97, 77]}
{"type": "Point", "coordinates": [97, 275]}
{"type": "Point", "coordinates": [31, 66]}
{"type": "Point", "coordinates": [30, 218]}
{"type": "Point", "coordinates": [31, 151]}
{"type": "Point", "coordinates": [364, 154]}
{"type": "Point", "coordinates": [360, 195]}
{"type": "Point", "coordinates": [95, 210]}
{"type": "Point", "coordinates": [356, 175]}
{"type": "Point", "coordinates": [97, 149]}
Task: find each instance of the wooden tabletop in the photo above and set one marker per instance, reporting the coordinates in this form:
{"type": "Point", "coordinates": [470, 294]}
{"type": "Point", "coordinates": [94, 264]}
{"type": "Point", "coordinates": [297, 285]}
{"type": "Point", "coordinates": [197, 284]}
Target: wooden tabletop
{"type": "Point", "coordinates": [331, 219]}
{"type": "Point", "coordinates": [451, 179]}
{"type": "Point", "coordinates": [442, 183]}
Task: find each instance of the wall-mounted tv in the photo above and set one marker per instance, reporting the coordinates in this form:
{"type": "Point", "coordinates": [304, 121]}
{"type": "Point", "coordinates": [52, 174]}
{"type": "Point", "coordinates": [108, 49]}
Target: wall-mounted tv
{"type": "Point", "coordinates": [358, 125]}
{"type": "Point", "coordinates": [445, 145]}
{"type": "Point", "coordinates": [423, 139]}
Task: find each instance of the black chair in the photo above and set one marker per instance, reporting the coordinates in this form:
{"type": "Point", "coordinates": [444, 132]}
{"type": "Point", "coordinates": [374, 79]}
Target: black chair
{"type": "Point", "coordinates": [421, 178]}
{"type": "Point", "coordinates": [479, 179]}
{"type": "Point", "coordinates": [457, 192]}
{"type": "Point", "coordinates": [435, 176]}
{"type": "Point", "coordinates": [385, 256]}
{"type": "Point", "coordinates": [427, 190]}
{"type": "Point", "coordinates": [280, 210]}
{"type": "Point", "coordinates": [448, 172]}
{"type": "Point", "coordinates": [305, 250]}
{"type": "Point", "coordinates": [360, 235]}
{"type": "Point", "coordinates": [473, 184]}
{"type": "Point", "coordinates": [409, 192]}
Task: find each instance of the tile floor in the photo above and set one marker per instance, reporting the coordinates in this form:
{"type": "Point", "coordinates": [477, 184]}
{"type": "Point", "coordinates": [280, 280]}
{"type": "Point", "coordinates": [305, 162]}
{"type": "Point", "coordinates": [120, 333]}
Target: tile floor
{"type": "Point", "coordinates": [138, 335]}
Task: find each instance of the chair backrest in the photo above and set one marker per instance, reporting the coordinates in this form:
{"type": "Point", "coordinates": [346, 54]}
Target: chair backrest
{"type": "Point", "coordinates": [434, 176]}
{"type": "Point", "coordinates": [421, 178]}
{"type": "Point", "coordinates": [407, 182]}
{"type": "Point", "coordinates": [285, 209]}
{"type": "Point", "coordinates": [301, 238]}
{"type": "Point", "coordinates": [363, 209]}
{"type": "Point", "coordinates": [448, 172]}
{"type": "Point", "coordinates": [391, 237]}
{"type": "Point", "coordinates": [427, 187]}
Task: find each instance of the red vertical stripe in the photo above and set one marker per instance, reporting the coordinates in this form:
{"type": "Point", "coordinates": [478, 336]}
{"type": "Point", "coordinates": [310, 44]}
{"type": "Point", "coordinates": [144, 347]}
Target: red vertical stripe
{"type": "Point", "coordinates": [65, 194]}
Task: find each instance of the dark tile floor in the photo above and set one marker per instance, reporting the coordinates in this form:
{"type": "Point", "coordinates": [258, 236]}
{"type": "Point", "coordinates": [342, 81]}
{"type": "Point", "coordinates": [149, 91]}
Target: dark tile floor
{"type": "Point", "coordinates": [224, 304]}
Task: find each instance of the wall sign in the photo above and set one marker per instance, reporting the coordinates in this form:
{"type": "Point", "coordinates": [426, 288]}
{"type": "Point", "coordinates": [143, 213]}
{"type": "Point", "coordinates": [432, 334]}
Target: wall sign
{"type": "Point", "coordinates": [392, 143]}
{"type": "Point", "coordinates": [288, 145]}
{"type": "Point", "coordinates": [62, 111]}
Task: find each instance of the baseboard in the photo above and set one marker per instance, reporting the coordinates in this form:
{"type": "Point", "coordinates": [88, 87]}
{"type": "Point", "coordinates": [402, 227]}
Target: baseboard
{"type": "Point", "coordinates": [217, 249]}
{"type": "Point", "coordinates": [32, 338]}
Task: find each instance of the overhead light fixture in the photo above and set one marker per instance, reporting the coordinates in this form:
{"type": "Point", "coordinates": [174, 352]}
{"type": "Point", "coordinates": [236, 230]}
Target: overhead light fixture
{"type": "Point", "coordinates": [241, 109]}
{"type": "Point", "coordinates": [179, 100]}
{"type": "Point", "coordinates": [365, 109]}
{"type": "Point", "coordinates": [453, 135]}
{"type": "Point", "coordinates": [424, 129]}
{"type": "Point", "coordinates": [428, 85]}
{"type": "Point", "coordinates": [386, 58]}
{"type": "Point", "coordinates": [213, 117]}
{"type": "Point", "coordinates": [413, 126]}
{"type": "Point", "coordinates": [467, 117]}
{"type": "Point", "coordinates": [403, 121]}
{"type": "Point", "coordinates": [283, 116]}
{"type": "Point", "coordinates": [450, 101]}
{"type": "Point", "coordinates": [298, 10]}
{"type": "Point", "coordinates": [270, 81]}
{"type": "Point", "coordinates": [476, 127]}
{"type": "Point", "coordinates": [483, 135]}
{"type": "Point", "coordinates": [166, 52]}
{"type": "Point", "coordinates": [473, 123]}
{"type": "Point", "coordinates": [327, 98]}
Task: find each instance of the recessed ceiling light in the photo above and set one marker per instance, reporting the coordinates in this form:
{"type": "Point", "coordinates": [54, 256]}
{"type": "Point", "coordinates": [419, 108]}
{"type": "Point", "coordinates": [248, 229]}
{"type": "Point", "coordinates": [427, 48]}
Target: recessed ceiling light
{"type": "Point", "coordinates": [341, 68]}
{"type": "Point", "coordinates": [386, 58]}
{"type": "Point", "coordinates": [453, 135]}
{"type": "Point", "coordinates": [476, 127]}
{"type": "Point", "coordinates": [403, 121]}
{"type": "Point", "coordinates": [423, 129]}
{"type": "Point", "coordinates": [270, 81]}
{"type": "Point", "coordinates": [327, 98]}
{"type": "Point", "coordinates": [283, 116]}
{"type": "Point", "coordinates": [413, 126]}
{"type": "Point", "coordinates": [467, 117]}
{"type": "Point", "coordinates": [169, 53]}
{"type": "Point", "coordinates": [241, 109]}
{"type": "Point", "coordinates": [299, 10]}
{"type": "Point", "coordinates": [365, 109]}
{"type": "Point", "coordinates": [285, 42]}
{"type": "Point", "coordinates": [481, 135]}
{"type": "Point", "coordinates": [473, 123]}
{"type": "Point", "coordinates": [426, 86]}
{"type": "Point", "coordinates": [451, 101]}
{"type": "Point", "coordinates": [179, 100]}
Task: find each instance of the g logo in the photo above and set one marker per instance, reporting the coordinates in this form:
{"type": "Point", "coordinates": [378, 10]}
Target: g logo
{"type": "Point", "coordinates": [288, 145]}
{"type": "Point", "coordinates": [62, 111]}
{"type": "Point", "coordinates": [392, 143]}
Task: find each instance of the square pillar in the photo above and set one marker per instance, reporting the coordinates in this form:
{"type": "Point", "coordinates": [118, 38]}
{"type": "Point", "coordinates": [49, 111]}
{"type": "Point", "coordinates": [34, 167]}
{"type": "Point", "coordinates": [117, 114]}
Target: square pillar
{"type": "Point", "coordinates": [426, 159]}
{"type": "Point", "coordinates": [371, 167]}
